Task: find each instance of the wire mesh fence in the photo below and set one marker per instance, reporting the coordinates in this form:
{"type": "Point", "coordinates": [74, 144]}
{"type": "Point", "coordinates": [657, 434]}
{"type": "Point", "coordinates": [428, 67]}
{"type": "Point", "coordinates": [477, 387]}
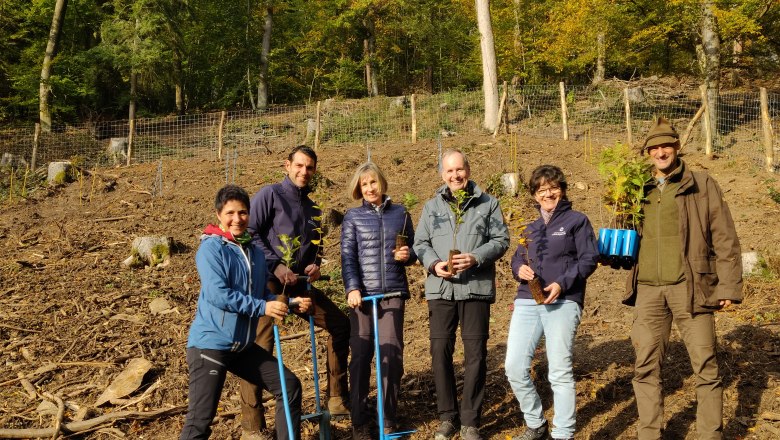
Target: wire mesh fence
{"type": "Point", "coordinates": [609, 113]}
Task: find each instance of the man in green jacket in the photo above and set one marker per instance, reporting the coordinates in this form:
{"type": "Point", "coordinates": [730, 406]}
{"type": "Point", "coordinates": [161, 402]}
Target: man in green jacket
{"type": "Point", "coordinates": [689, 266]}
{"type": "Point", "coordinates": [461, 295]}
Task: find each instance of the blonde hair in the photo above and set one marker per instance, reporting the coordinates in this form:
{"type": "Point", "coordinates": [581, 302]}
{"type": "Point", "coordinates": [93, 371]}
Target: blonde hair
{"type": "Point", "coordinates": [369, 168]}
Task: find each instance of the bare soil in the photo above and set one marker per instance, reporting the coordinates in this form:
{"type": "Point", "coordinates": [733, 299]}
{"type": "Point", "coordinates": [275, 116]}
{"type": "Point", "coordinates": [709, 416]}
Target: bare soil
{"type": "Point", "coordinates": [66, 300]}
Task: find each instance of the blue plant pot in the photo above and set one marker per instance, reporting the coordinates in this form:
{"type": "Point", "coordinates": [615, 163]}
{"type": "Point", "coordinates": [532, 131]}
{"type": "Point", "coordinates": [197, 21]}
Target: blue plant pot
{"type": "Point", "coordinates": [618, 247]}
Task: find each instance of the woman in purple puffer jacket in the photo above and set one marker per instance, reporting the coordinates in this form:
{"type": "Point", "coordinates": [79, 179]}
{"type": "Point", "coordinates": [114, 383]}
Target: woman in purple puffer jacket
{"type": "Point", "coordinates": [371, 265]}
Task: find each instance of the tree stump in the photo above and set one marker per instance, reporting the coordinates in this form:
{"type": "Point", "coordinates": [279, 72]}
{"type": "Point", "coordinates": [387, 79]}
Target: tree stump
{"type": "Point", "coordinates": [154, 251]}
{"type": "Point", "coordinates": [59, 172]}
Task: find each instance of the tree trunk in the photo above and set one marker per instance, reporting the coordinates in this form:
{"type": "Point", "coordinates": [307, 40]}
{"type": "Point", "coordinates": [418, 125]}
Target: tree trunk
{"type": "Point", "coordinates": [489, 74]}
{"type": "Point", "coordinates": [262, 82]}
{"type": "Point", "coordinates": [44, 91]}
{"type": "Point", "coordinates": [369, 49]}
{"type": "Point", "coordinates": [710, 41]}
{"type": "Point", "coordinates": [598, 77]}
{"type": "Point", "coordinates": [179, 82]}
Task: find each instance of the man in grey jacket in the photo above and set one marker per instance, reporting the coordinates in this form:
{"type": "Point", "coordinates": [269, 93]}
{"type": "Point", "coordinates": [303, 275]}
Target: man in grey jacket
{"type": "Point", "coordinates": [462, 296]}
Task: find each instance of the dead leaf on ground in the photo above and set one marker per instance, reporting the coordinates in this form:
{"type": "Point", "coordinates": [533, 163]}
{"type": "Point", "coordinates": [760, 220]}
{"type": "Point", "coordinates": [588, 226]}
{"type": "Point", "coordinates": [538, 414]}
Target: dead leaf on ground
{"type": "Point", "coordinates": [126, 382]}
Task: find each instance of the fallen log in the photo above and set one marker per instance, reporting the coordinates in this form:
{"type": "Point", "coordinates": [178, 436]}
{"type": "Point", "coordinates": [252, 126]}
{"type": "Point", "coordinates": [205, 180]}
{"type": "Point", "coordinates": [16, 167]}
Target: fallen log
{"type": "Point", "coordinates": [85, 425]}
{"type": "Point", "coordinates": [687, 133]}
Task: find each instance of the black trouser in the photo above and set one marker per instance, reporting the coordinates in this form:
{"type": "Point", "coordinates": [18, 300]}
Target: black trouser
{"type": "Point", "coordinates": [208, 369]}
{"type": "Point", "coordinates": [391, 346]}
{"type": "Point", "coordinates": [473, 317]}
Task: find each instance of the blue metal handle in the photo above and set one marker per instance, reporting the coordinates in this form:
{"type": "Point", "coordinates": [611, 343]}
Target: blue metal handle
{"type": "Point", "coordinates": [280, 363]}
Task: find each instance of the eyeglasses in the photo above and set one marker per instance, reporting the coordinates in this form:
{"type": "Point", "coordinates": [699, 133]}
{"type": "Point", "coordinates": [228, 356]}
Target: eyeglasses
{"type": "Point", "coordinates": [550, 190]}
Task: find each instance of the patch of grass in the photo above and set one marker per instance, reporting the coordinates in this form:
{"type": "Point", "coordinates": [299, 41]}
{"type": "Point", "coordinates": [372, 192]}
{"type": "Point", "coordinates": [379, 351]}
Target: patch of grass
{"type": "Point", "coordinates": [774, 195]}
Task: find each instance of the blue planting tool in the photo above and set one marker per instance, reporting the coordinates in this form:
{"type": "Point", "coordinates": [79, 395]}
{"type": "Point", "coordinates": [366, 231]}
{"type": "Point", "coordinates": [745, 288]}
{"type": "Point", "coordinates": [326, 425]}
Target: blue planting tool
{"type": "Point", "coordinates": [380, 406]}
{"type": "Point", "coordinates": [280, 363]}
{"type": "Point", "coordinates": [322, 414]}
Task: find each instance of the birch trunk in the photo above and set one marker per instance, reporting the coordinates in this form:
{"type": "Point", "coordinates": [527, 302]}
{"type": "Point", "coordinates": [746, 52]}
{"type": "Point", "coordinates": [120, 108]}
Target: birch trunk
{"type": "Point", "coordinates": [598, 77]}
{"type": "Point", "coordinates": [262, 82]}
{"type": "Point", "coordinates": [44, 91]}
{"type": "Point", "coordinates": [489, 73]}
{"type": "Point", "coordinates": [710, 41]}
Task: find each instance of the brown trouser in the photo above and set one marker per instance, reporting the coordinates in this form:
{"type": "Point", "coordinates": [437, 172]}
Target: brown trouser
{"type": "Point", "coordinates": [326, 315]}
{"type": "Point", "coordinates": [656, 308]}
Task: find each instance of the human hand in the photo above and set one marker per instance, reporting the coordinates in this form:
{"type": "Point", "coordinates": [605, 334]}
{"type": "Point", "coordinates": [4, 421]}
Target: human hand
{"type": "Point", "coordinates": [285, 275]}
{"type": "Point", "coordinates": [553, 290]}
{"type": "Point", "coordinates": [313, 271]}
{"type": "Point", "coordinates": [441, 270]}
{"type": "Point", "coordinates": [525, 273]}
{"type": "Point", "coordinates": [724, 303]}
{"type": "Point", "coordinates": [461, 262]}
{"type": "Point", "coordinates": [401, 254]}
{"type": "Point", "coordinates": [302, 303]}
{"type": "Point", "coordinates": [354, 298]}
{"type": "Point", "coordinates": [276, 309]}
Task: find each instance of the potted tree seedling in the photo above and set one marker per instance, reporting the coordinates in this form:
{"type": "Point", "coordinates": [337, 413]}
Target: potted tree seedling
{"type": "Point", "coordinates": [518, 228]}
{"type": "Point", "coordinates": [409, 201]}
{"type": "Point", "coordinates": [625, 175]}
{"type": "Point", "coordinates": [458, 207]}
{"type": "Point", "coordinates": [288, 248]}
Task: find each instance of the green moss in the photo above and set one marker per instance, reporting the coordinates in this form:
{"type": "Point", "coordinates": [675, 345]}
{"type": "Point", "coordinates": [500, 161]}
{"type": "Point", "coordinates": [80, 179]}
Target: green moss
{"type": "Point", "coordinates": [160, 253]}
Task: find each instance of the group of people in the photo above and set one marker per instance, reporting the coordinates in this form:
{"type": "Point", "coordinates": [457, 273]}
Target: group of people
{"type": "Point", "coordinates": [688, 267]}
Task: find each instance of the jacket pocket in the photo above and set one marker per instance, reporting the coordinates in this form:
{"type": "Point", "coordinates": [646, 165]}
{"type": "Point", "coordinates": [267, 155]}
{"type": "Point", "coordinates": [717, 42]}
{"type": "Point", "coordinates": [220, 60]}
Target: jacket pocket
{"type": "Point", "coordinates": [705, 279]}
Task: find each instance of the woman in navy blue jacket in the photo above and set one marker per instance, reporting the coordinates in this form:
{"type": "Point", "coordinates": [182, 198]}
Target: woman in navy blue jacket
{"type": "Point", "coordinates": [371, 265]}
{"type": "Point", "coordinates": [562, 253]}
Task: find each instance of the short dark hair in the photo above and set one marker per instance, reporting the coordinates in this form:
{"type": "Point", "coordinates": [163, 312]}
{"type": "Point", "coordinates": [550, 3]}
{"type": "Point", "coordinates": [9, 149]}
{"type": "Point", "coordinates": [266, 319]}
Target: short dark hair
{"type": "Point", "coordinates": [304, 150]}
{"type": "Point", "coordinates": [550, 174]}
{"type": "Point", "coordinates": [228, 193]}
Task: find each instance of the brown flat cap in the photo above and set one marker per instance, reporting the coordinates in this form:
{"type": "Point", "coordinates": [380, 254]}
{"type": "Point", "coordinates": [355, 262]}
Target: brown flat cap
{"type": "Point", "coordinates": [662, 133]}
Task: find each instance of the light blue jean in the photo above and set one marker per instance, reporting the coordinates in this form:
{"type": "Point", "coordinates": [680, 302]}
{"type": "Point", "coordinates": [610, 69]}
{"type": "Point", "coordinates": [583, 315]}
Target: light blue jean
{"type": "Point", "coordinates": [558, 324]}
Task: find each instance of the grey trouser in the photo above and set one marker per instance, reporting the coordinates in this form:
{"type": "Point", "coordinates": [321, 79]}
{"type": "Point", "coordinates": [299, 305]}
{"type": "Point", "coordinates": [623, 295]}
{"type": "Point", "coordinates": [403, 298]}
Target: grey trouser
{"type": "Point", "coordinates": [656, 308]}
{"type": "Point", "coordinates": [391, 345]}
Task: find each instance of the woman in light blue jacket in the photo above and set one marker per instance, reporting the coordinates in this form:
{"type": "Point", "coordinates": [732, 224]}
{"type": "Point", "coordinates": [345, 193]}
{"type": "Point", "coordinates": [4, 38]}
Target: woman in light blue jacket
{"type": "Point", "coordinates": [221, 339]}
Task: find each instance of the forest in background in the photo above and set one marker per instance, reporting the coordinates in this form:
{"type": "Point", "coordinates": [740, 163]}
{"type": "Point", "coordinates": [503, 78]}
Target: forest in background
{"type": "Point", "coordinates": [187, 56]}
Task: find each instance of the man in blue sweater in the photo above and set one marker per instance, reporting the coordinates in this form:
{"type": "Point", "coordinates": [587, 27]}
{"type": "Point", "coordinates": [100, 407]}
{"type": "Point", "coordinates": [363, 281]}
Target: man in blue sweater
{"type": "Point", "coordinates": [285, 208]}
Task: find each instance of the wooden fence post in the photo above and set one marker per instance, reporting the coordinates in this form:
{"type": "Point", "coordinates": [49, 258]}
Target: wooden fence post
{"type": "Point", "coordinates": [564, 112]}
{"type": "Point", "coordinates": [500, 111]}
{"type": "Point", "coordinates": [220, 134]}
{"type": "Point", "coordinates": [414, 118]}
{"type": "Point", "coordinates": [706, 121]}
{"type": "Point", "coordinates": [130, 140]}
{"type": "Point", "coordinates": [317, 128]}
{"type": "Point", "coordinates": [766, 128]}
{"type": "Point", "coordinates": [629, 134]}
{"type": "Point", "coordinates": [36, 142]}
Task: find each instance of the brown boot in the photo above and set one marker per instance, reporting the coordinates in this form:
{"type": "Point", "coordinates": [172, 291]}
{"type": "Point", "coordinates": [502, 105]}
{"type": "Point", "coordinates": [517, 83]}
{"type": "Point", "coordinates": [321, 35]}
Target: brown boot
{"type": "Point", "coordinates": [338, 407]}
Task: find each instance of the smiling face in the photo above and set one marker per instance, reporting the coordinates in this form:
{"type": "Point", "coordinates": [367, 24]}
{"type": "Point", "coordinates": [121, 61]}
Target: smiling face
{"type": "Point", "coordinates": [548, 195]}
{"type": "Point", "coordinates": [454, 171]}
{"type": "Point", "coordinates": [234, 217]}
{"type": "Point", "coordinates": [664, 158]}
{"type": "Point", "coordinates": [300, 169]}
{"type": "Point", "coordinates": [371, 188]}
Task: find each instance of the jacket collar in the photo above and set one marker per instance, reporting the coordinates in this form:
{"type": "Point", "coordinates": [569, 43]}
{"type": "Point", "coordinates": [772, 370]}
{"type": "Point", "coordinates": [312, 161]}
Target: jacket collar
{"type": "Point", "coordinates": [386, 202]}
{"type": "Point", "coordinates": [471, 187]}
{"type": "Point", "coordinates": [563, 206]}
{"type": "Point", "coordinates": [290, 187]}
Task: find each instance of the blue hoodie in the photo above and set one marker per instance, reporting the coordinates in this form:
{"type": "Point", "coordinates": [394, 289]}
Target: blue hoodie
{"type": "Point", "coordinates": [232, 295]}
{"type": "Point", "coordinates": [563, 251]}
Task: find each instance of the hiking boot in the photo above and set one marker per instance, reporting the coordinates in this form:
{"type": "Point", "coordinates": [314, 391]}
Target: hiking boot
{"type": "Point", "coordinates": [362, 432]}
{"type": "Point", "coordinates": [470, 433]}
{"type": "Point", "coordinates": [337, 407]}
{"type": "Point", "coordinates": [539, 433]}
{"type": "Point", "coordinates": [446, 430]}
{"type": "Point", "coordinates": [263, 434]}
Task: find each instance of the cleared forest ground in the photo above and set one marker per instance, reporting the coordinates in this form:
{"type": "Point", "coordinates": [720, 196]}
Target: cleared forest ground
{"type": "Point", "coordinates": [66, 301]}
